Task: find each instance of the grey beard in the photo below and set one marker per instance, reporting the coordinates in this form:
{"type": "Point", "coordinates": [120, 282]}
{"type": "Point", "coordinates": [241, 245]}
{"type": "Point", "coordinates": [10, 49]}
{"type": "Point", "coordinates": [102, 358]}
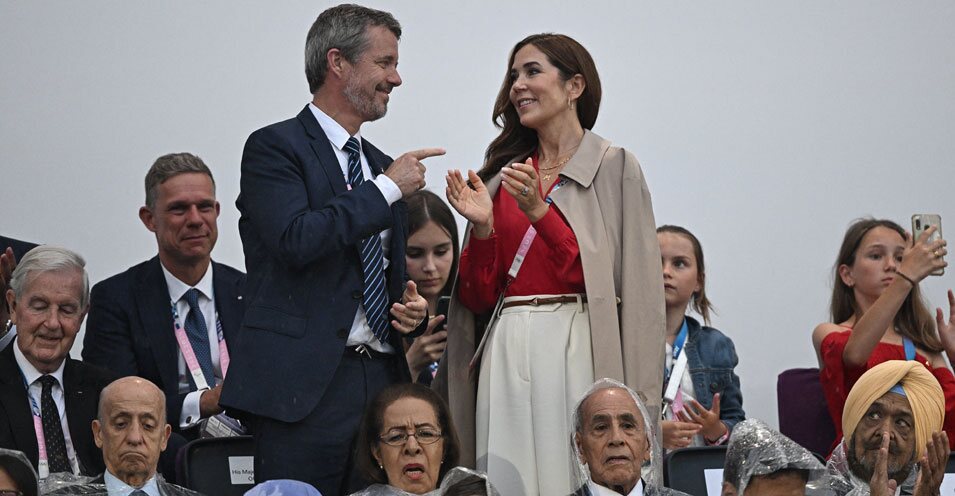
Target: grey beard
{"type": "Point", "coordinates": [864, 472]}
{"type": "Point", "coordinates": [365, 106]}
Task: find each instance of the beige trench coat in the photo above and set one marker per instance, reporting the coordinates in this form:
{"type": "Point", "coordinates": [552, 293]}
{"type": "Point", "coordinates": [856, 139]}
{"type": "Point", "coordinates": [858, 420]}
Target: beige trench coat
{"type": "Point", "coordinates": [607, 204]}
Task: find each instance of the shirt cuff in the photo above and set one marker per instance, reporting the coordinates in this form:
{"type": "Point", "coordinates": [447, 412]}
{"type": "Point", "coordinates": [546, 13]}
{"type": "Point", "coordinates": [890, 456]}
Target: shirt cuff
{"type": "Point", "coordinates": [190, 415]}
{"type": "Point", "coordinates": [388, 188]}
{"type": "Point", "coordinates": [482, 251]}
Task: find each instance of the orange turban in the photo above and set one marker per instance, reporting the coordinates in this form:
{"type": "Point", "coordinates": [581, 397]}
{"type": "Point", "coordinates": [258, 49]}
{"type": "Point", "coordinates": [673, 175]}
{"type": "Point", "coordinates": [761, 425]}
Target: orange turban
{"type": "Point", "coordinates": [921, 389]}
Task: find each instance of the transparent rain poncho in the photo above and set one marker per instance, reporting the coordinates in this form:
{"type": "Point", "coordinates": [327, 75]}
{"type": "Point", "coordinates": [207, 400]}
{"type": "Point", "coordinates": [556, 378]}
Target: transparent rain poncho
{"type": "Point", "coordinates": [66, 484]}
{"type": "Point", "coordinates": [652, 471]}
{"type": "Point", "coordinates": [757, 449]}
{"type": "Point", "coordinates": [459, 481]}
{"type": "Point", "coordinates": [842, 482]}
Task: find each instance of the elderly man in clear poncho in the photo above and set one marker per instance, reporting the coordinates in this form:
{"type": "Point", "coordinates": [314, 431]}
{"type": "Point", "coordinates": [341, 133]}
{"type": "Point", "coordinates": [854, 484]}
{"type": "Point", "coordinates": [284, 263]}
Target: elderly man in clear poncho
{"type": "Point", "coordinates": [615, 444]}
{"type": "Point", "coordinates": [895, 443]}
{"type": "Point", "coordinates": [762, 462]}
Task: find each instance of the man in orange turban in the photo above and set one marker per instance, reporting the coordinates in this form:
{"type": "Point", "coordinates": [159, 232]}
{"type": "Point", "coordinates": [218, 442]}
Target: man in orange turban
{"type": "Point", "coordinates": [894, 440]}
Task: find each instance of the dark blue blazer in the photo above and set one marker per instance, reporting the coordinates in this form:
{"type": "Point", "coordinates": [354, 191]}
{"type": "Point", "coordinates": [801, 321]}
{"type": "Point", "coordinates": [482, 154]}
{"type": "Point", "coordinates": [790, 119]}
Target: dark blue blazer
{"type": "Point", "coordinates": [82, 384]}
{"type": "Point", "coordinates": [20, 248]}
{"type": "Point", "coordinates": [301, 230]}
{"type": "Point", "coordinates": [129, 329]}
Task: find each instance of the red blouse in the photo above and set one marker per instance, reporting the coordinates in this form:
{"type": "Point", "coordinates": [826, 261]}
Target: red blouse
{"type": "Point", "coordinates": [837, 379]}
{"type": "Point", "coordinates": [552, 264]}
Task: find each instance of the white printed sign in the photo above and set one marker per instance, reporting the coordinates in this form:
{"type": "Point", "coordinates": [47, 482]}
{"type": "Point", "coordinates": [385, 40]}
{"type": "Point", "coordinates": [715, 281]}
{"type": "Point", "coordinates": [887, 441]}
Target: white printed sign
{"type": "Point", "coordinates": [714, 481]}
{"type": "Point", "coordinates": [241, 470]}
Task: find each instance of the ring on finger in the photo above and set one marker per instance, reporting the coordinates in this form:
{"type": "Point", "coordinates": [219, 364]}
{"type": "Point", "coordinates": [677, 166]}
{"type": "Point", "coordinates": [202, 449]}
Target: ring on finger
{"type": "Point", "coordinates": [937, 254]}
{"type": "Point", "coordinates": [524, 191]}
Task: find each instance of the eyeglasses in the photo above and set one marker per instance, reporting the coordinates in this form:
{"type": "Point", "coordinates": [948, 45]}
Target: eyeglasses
{"type": "Point", "coordinates": [8, 492]}
{"type": "Point", "coordinates": [398, 437]}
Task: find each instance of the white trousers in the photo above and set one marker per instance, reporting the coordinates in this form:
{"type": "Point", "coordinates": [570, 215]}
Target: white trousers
{"type": "Point", "coordinates": [536, 365]}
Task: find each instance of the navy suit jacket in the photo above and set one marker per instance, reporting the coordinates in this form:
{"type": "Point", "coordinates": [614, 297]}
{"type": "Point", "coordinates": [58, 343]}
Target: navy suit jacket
{"type": "Point", "coordinates": [301, 230]}
{"type": "Point", "coordinates": [20, 248]}
{"type": "Point", "coordinates": [82, 384]}
{"type": "Point", "coordinates": [129, 329]}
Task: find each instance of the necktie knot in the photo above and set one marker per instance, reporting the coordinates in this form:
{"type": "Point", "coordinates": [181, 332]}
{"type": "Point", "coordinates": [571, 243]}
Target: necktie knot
{"type": "Point", "coordinates": [192, 298]}
{"type": "Point", "coordinates": [352, 146]}
{"type": "Point", "coordinates": [47, 381]}
{"type": "Point", "coordinates": [138, 492]}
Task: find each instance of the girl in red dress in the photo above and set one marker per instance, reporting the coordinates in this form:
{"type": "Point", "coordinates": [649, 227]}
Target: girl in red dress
{"type": "Point", "coordinates": [878, 313]}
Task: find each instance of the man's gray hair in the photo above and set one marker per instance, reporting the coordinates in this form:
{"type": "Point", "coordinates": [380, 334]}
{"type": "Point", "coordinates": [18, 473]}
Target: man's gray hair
{"type": "Point", "coordinates": [47, 258]}
{"type": "Point", "coordinates": [343, 27]}
{"type": "Point", "coordinates": [171, 165]}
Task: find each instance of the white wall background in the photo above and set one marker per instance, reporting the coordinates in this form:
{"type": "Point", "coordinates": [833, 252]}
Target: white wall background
{"type": "Point", "coordinates": [764, 127]}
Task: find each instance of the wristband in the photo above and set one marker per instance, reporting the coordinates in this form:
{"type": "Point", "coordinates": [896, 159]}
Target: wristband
{"type": "Point", "coordinates": [907, 278]}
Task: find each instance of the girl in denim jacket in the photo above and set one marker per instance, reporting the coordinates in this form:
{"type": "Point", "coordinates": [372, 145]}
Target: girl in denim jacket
{"type": "Point", "coordinates": [706, 402]}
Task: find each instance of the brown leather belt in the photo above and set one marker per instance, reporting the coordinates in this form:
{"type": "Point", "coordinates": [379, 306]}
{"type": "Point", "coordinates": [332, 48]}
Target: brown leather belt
{"type": "Point", "coordinates": [544, 301]}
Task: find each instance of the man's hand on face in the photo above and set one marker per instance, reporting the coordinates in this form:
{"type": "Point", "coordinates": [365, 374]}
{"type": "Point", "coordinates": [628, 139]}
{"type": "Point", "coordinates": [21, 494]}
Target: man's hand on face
{"type": "Point", "coordinates": [881, 484]}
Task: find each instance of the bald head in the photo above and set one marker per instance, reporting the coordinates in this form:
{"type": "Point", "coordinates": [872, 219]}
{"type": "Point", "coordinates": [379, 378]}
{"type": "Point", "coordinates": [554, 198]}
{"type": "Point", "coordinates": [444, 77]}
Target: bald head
{"type": "Point", "coordinates": [131, 429]}
{"type": "Point", "coordinates": [128, 387]}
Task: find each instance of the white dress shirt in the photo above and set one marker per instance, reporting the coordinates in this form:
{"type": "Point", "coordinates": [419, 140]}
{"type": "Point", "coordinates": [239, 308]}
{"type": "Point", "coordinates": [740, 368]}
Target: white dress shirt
{"type": "Point", "coordinates": [32, 376]}
{"type": "Point", "coordinates": [190, 415]}
{"type": "Point", "coordinates": [598, 490]}
{"type": "Point", "coordinates": [360, 331]}
{"type": "Point", "coordinates": [116, 487]}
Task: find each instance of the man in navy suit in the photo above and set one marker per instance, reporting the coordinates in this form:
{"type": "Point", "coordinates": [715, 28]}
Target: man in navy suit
{"type": "Point", "coordinates": [323, 228]}
{"type": "Point", "coordinates": [134, 315]}
{"type": "Point", "coordinates": [44, 394]}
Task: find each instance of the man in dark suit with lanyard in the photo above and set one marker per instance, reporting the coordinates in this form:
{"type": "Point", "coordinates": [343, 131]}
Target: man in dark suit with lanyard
{"type": "Point", "coordinates": [47, 399]}
{"type": "Point", "coordinates": [323, 227]}
{"type": "Point", "coordinates": [172, 319]}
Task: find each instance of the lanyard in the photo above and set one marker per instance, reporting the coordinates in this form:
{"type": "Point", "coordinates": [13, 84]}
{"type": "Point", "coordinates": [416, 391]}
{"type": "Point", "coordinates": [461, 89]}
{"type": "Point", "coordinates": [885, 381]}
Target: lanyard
{"type": "Point", "coordinates": [527, 240]}
{"type": "Point", "coordinates": [522, 250]}
{"type": "Point", "coordinates": [909, 348]}
{"type": "Point", "coordinates": [43, 467]}
{"type": "Point", "coordinates": [678, 344]}
{"type": "Point", "coordinates": [192, 363]}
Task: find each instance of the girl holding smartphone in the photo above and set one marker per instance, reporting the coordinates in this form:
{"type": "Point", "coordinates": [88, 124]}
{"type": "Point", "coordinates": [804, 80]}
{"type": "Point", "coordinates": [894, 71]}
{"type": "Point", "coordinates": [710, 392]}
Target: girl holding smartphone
{"type": "Point", "coordinates": [878, 313]}
{"type": "Point", "coordinates": [431, 257]}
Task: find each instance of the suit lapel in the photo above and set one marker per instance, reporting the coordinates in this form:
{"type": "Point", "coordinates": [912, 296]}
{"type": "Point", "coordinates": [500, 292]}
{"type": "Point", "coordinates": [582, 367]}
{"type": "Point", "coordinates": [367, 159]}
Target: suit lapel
{"type": "Point", "coordinates": [81, 404]}
{"type": "Point", "coordinates": [152, 301]}
{"type": "Point", "coordinates": [16, 404]}
{"type": "Point", "coordinates": [327, 159]}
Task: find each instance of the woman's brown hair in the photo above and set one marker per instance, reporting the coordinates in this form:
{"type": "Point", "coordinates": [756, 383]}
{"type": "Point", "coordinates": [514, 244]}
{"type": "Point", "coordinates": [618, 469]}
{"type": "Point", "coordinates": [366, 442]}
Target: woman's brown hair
{"type": "Point", "coordinates": [701, 304]}
{"type": "Point", "coordinates": [913, 320]}
{"type": "Point", "coordinates": [425, 206]}
{"type": "Point", "coordinates": [516, 142]}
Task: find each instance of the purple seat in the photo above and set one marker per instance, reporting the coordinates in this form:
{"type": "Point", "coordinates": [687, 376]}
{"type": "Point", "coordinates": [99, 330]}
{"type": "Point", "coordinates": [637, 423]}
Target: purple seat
{"type": "Point", "coordinates": [803, 413]}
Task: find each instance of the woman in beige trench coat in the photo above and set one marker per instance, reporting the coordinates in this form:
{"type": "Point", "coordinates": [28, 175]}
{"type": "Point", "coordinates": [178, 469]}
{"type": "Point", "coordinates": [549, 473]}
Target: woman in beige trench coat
{"type": "Point", "coordinates": [547, 105]}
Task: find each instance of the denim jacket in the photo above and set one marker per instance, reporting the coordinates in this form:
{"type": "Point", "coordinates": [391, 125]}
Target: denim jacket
{"type": "Point", "coordinates": [711, 358]}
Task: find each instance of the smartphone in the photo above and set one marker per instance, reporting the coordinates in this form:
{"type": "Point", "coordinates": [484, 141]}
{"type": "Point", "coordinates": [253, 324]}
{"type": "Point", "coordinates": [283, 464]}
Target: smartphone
{"type": "Point", "coordinates": [443, 303]}
{"type": "Point", "coordinates": [921, 222]}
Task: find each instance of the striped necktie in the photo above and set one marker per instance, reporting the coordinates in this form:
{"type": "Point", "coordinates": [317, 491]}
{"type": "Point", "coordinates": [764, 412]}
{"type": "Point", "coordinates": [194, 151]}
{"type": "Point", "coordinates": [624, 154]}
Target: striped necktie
{"type": "Point", "coordinates": [375, 296]}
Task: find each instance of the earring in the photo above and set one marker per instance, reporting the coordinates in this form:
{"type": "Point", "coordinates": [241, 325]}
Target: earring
{"type": "Point", "coordinates": [570, 103]}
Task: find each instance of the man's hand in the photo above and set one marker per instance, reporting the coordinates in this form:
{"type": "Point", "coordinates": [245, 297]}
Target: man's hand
{"type": "Point", "coordinates": [411, 311]}
{"type": "Point", "coordinates": [932, 465]}
{"type": "Point", "coordinates": [880, 484]}
{"type": "Point", "coordinates": [407, 171]}
{"type": "Point", "coordinates": [8, 262]}
{"type": "Point", "coordinates": [209, 402]}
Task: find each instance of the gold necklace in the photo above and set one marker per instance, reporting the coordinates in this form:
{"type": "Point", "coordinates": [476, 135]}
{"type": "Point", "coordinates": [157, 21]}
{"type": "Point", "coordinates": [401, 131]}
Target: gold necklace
{"type": "Point", "coordinates": [548, 175]}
